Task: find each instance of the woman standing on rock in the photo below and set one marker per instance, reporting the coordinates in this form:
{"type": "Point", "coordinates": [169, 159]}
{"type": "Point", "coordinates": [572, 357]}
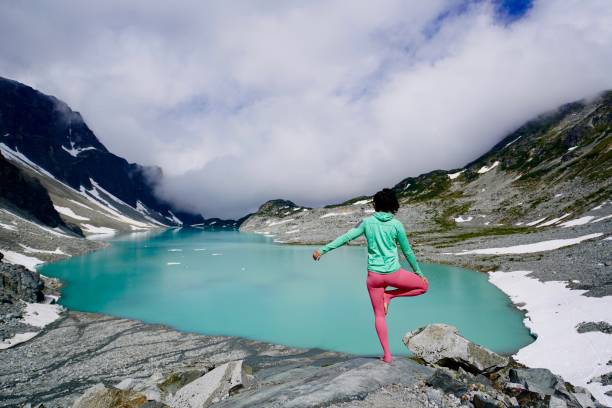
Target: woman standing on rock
{"type": "Point", "coordinates": [383, 232]}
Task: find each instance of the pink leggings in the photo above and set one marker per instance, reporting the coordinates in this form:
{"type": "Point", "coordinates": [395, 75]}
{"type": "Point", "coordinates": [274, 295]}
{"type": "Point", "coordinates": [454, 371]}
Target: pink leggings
{"type": "Point", "coordinates": [407, 284]}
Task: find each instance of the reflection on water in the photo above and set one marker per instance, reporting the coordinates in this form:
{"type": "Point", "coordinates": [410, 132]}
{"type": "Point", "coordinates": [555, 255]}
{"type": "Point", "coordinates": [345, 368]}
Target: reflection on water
{"type": "Point", "coordinates": [241, 284]}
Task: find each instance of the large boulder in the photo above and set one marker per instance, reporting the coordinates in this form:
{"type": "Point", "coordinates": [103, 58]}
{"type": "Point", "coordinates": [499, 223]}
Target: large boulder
{"type": "Point", "coordinates": [442, 345]}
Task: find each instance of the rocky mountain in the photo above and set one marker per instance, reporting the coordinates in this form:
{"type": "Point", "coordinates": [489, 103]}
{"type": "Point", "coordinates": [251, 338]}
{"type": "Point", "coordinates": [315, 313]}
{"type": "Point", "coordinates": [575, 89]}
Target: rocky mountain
{"type": "Point", "coordinates": [553, 168]}
{"type": "Point", "coordinates": [89, 186]}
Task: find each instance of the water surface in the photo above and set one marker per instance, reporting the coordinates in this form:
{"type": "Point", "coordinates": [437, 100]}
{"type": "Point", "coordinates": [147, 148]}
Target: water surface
{"type": "Point", "coordinates": [242, 284]}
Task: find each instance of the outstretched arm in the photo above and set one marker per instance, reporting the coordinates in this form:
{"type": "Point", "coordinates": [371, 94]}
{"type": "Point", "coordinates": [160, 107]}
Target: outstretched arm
{"type": "Point", "coordinates": [407, 250]}
{"type": "Point", "coordinates": [343, 239]}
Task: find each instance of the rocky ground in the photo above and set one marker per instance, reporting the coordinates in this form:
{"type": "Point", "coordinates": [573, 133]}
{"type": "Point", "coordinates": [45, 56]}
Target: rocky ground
{"type": "Point", "coordinates": [92, 360]}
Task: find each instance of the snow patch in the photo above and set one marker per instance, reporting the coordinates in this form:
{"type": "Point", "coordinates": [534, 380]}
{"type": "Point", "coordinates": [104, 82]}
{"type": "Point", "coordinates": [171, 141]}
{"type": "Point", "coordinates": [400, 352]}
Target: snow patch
{"type": "Point", "coordinates": [19, 259]}
{"type": "Point", "coordinates": [602, 218]}
{"type": "Point", "coordinates": [532, 223]}
{"type": "Point", "coordinates": [530, 248]}
{"type": "Point", "coordinates": [333, 214]}
{"type": "Point", "coordinates": [281, 222]}
{"type": "Point", "coordinates": [57, 251]}
{"type": "Point", "coordinates": [553, 221]}
{"type": "Point", "coordinates": [453, 176]}
{"type": "Point", "coordinates": [578, 221]}
{"type": "Point", "coordinates": [508, 144]}
{"type": "Point", "coordinates": [92, 229]}
{"type": "Point", "coordinates": [8, 227]}
{"type": "Point", "coordinates": [572, 148]}
{"type": "Point", "coordinates": [599, 206]}
{"type": "Point", "coordinates": [69, 213]}
{"type": "Point", "coordinates": [74, 151]}
{"type": "Point", "coordinates": [292, 231]}
{"type": "Point", "coordinates": [461, 219]}
{"type": "Point", "coordinates": [174, 218]}
{"type": "Point", "coordinates": [484, 169]}
{"type": "Point", "coordinates": [553, 312]}
{"type": "Point", "coordinates": [360, 202]}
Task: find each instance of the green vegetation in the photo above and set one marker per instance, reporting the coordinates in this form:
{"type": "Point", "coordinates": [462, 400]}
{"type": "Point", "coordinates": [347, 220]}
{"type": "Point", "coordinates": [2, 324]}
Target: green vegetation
{"type": "Point", "coordinates": [443, 219]}
{"type": "Point", "coordinates": [596, 197]}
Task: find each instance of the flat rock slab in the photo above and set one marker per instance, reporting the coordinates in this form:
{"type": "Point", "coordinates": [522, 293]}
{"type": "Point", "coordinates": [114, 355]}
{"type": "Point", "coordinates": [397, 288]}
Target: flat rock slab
{"type": "Point", "coordinates": [81, 350]}
{"type": "Point", "coordinates": [308, 386]}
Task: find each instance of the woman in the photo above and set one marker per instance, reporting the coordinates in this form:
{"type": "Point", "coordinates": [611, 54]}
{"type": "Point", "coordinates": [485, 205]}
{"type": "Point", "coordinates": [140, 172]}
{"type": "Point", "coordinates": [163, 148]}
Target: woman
{"type": "Point", "coordinates": [383, 232]}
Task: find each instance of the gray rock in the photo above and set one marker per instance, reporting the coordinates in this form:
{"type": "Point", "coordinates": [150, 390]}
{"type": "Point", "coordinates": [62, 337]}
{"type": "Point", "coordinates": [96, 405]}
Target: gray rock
{"type": "Point", "coordinates": [442, 345]}
{"type": "Point", "coordinates": [555, 402]}
{"type": "Point", "coordinates": [482, 400]}
{"type": "Point", "coordinates": [446, 382]}
{"type": "Point", "coordinates": [603, 327]}
{"type": "Point", "coordinates": [539, 380]}
{"type": "Point", "coordinates": [18, 283]}
{"type": "Point", "coordinates": [605, 379]}
{"type": "Point", "coordinates": [585, 399]}
{"type": "Point", "coordinates": [211, 387]}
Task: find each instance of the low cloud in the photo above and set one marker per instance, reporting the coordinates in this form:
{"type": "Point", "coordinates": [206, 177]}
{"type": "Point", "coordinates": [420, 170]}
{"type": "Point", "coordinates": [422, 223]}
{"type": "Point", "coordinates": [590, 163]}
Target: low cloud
{"type": "Point", "coordinates": [315, 102]}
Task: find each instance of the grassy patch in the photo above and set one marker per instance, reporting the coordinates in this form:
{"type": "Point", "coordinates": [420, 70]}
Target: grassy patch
{"type": "Point", "coordinates": [443, 218]}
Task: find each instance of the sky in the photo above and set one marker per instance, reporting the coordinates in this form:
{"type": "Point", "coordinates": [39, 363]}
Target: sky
{"type": "Point", "coordinates": [313, 101]}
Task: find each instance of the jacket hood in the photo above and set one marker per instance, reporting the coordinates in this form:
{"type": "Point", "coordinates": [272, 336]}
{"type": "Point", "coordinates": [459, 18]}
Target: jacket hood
{"type": "Point", "coordinates": [383, 216]}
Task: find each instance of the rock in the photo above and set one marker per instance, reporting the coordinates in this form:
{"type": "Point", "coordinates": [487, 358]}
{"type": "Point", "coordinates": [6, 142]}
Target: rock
{"type": "Point", "coordinates": [605, 379]}
{"type": "Point", "coordinates": [211, 387]}
{"type": "Point", "coordinates": [482, 400]}
{"type": "Point", "coordinates": [176, 380]}
{"type": "Point", "coordinates": [555, 402]}
{"type": "Point", "coordinates": [435, 396]}
{"type": "Point", "coordinates": [603, 327]}
{"type": "Point", "coordinates": [442, 345]}
{"type": "Point", "coordinates": [446, 382]}
{"type": "Point", "coordinates": [100, 396]}
{"type": "Point", "coordinates": [345, 381]}
{"type": "Point", "coordinates": [584, 397]}
{"type": "Point", "coordinates": [16, 282]}
{"type": "Point", "coordinates": [539, 380]}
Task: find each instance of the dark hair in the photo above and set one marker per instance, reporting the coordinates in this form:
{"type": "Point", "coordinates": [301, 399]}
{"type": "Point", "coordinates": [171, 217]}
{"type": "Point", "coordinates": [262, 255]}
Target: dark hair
{"type": "Point", "coordinates": [385, 200]}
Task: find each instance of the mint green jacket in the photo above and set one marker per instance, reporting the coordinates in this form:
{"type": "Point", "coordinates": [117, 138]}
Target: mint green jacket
{"type": "Point", "coordinates": [383, 232]}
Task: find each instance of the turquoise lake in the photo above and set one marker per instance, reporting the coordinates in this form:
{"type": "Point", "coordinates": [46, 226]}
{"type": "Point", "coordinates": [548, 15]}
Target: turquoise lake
{"type": "Point", "coordinates": [243, 284]}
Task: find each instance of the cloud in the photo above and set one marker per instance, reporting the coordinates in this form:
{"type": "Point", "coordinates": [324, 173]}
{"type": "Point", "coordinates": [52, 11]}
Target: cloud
{"type": "Point", "coordinates": [313, 101]}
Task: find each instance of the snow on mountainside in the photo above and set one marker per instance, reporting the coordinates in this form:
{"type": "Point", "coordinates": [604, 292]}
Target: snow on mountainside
{"type": "Point", "coordinates": [44, 137]}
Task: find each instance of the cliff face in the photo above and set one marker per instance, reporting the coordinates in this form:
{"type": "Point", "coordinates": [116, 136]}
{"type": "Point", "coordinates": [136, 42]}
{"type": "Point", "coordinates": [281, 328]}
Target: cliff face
{"type": "Point", "coordinates": [48, 133]}
{"type": "Point", "coordinates": [26, 195]}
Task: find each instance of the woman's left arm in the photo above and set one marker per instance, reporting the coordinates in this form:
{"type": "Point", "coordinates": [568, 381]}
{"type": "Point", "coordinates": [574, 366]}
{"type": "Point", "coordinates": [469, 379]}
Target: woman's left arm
{"type": "Point", "coordinates": [343, 239]}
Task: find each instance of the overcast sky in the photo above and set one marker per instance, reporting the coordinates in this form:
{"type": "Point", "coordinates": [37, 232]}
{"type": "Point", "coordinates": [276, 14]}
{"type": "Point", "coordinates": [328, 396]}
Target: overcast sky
{"type": "Point", "coordinates": [313, 101]}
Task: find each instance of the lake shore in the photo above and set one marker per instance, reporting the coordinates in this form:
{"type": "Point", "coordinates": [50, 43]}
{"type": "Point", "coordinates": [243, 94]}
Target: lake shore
{"type": "Point", "coordinates": [55, 333]}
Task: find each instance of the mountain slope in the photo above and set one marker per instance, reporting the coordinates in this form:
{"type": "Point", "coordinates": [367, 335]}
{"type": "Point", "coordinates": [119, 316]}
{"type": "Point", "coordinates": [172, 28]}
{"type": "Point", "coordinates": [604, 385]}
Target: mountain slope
{"type": "Point", "coordinates": [551, 169]}
{"type": "Point", "coordinates": [41, 130]}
